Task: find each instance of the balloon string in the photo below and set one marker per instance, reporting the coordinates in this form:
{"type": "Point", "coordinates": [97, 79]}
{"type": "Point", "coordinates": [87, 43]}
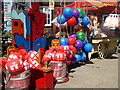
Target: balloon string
{"type": "Point", "coordinates": [75, 4]}
{"type": "Point", "coordinates": [67, 31]}
{"type": "Point", "coordinates": [64, 3]}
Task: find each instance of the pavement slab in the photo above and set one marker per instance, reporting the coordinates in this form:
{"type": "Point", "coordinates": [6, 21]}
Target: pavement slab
{"type": "Point", "coordinates": [102, 74]}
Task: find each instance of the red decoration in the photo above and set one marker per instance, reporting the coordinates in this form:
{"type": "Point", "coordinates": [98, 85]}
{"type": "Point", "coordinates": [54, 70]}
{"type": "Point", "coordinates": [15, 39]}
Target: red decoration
{"type": "Point", "coordinates": [73, 49]}
{"type": "Point", "coordinates": [33, 54]}
{"type": "Point", "coordinates": [34, 64]}
{"type": "Point", "coordinates": [14, 65]}
{"type": "Point", "coordinates": [26, 65]}
{"type": "Point", "coordinates": [51, 50]}
{"type": "Point", "coordinates": [23, 52]}
{"type": "Point", "coordinates": [71, 40]}
{"type": "Point", "coordinates": [47, 58]}
{"type": "Point", "coordinates": [59, 56]}
{"type": "Point", "coordinates": [14, 55]}
{"type": "Point", "coordinates": [63, 48]}
{"type": "Point", "coordinates": [71, 21]}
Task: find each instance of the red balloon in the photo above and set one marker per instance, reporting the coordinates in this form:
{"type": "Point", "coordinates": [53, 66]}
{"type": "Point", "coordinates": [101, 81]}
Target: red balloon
{"type": "Point", "coordinates": [59, 56]}
{"type": "Point", "coordinates": [14, 65]}
{"type": "Point", "coordinates": [34, 64]}
{"type": "Point", "coordinates": [23, 52]}
{"type": "Point", "coordinates": [71, 40]}
{"type": "Point", "coordinates": [30, 11]}
{"type": "Point", "coordinates": [3, 61]}
{"type": "Point", "coordinates": [63, 48]}
{"type": "Point", "coordinates": [73, 49]}
{"type": "Point", "coordinates": [71, 21]}
{"type": "Point", "coordinates": [14, 55]}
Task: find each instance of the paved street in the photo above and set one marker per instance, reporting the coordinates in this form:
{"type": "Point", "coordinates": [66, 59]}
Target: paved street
{"type": "Point", "coordinates": [102, 74]}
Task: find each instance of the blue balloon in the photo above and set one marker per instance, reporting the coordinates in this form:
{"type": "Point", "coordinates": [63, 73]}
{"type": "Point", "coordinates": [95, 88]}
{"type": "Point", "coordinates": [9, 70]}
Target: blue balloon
{"type": "Point", "coordinates": [77, 57]}
{"type": "Point", "coordinates": [67, 12]}
{"type": "Point", "coordinates": [84, 41]}
{"type": "Point", "coordinates": [62, 18]}
{"type": "Point", "coordinates": [85, 20]}
{"type": "Point", "coordinates": [83, 56]}
{"type": "Point", "coordinates": [63, 41]}
{"type": "Point", "coordinates": [88, 47]}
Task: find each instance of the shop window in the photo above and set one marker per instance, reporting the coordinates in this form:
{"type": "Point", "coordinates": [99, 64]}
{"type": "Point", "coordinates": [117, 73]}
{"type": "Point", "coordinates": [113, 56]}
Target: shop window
{"type": "Point", "coordinates": [15, 23]}
{"type": "Point", "coordinates": [48, 13]}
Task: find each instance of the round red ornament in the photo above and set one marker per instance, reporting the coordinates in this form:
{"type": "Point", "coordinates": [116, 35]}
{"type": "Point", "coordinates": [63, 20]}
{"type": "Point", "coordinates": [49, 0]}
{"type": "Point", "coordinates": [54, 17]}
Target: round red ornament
{"type": "Point", "coordinates": [71, 40]}
{"type": "Point", "coordinates": [33, 54]}
{"type": "Point", "coordinates": [26, 65]}
{"type": "Point", "coordinates": [73, 49]}
{"type": "Point", "coordinates": [23, 52]}
{"type": "Point", "coordinates": [14, 65]}
{"type": "Point", "coordinates": [14, 55]}
{"type": "Point", "coordinates": [71, 21]}
{"type": "Point", "coordinates": [34, 64]}
{"type": "Point", "coordinates": [59, 56]}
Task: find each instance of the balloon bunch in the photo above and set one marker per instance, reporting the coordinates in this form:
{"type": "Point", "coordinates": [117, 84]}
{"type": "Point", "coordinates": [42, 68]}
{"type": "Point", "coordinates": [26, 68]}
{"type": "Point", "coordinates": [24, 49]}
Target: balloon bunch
{"type": "Point", "coordinates": [79, 41]}
{"type": "Point", "coordinates": [20, 61]}
{"type": "Point", "coordinates": [71, 16]}
{"type": "Point", "coordinates": [63, 52]}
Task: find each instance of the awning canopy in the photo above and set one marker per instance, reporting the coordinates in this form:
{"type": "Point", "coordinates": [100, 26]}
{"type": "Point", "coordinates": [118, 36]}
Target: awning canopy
{"type": "Point", "coordinates": [80, 5]}
{"type": "Point", "coordinates": [91, 5]}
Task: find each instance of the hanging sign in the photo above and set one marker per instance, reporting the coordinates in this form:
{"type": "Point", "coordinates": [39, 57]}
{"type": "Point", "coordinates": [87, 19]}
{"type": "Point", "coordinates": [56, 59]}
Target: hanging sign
{"type": "Point", "coordinates": [51, 4]}
{"type": "Point", "coordinates": [7, 14]}
{"type": "Point", "coordinates": [21, 6]}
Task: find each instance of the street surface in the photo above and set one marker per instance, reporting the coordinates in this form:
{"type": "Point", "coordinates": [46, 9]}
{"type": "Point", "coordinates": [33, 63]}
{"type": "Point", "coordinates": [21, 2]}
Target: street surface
{"type": "Point", "coordinates": [102, 74]}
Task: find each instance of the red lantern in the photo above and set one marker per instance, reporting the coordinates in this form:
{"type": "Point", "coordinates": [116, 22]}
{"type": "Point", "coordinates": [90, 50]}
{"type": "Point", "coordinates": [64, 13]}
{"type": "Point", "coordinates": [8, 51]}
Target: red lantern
{"type": "Point", "coordinates": [33, 54]}
{"type": "Point", "coordinates": [3, 61]}
{"type": "Point", "coordinates": [14, 65]}
{"type": "Point", "coordinates": [34, 64]}
{"type": "Point", "coordinates": [71, 40]}
{"type": "Point", "coordinates": [71, 21]}
{"type": "Point", "coordinates": [59, 56]}
{"type": "Point", "coordinates": [23, 52]}
{"type": "Point", "coordinates": [73, 49]}
{"type": "Point", "coordinates": [14, 55]}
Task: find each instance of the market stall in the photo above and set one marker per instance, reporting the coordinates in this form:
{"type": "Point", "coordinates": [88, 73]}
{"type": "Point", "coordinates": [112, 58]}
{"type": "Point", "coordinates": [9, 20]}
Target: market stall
{"type": "Point", "coordinates": [29, 64]}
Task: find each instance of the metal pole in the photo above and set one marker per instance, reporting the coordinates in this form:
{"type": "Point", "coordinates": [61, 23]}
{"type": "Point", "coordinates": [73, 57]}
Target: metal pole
{"type": "Point", "coordinates": [60, 17]}
{"type": "Point", "coordinates": [31, 30]}
{"type": "Point", "coordinates": [86, 7]}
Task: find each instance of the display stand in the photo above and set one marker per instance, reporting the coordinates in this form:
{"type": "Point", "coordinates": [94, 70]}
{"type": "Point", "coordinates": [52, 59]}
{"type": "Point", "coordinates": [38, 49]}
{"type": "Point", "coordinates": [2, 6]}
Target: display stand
{"type": "Point", "coordinates": [40, 79]}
